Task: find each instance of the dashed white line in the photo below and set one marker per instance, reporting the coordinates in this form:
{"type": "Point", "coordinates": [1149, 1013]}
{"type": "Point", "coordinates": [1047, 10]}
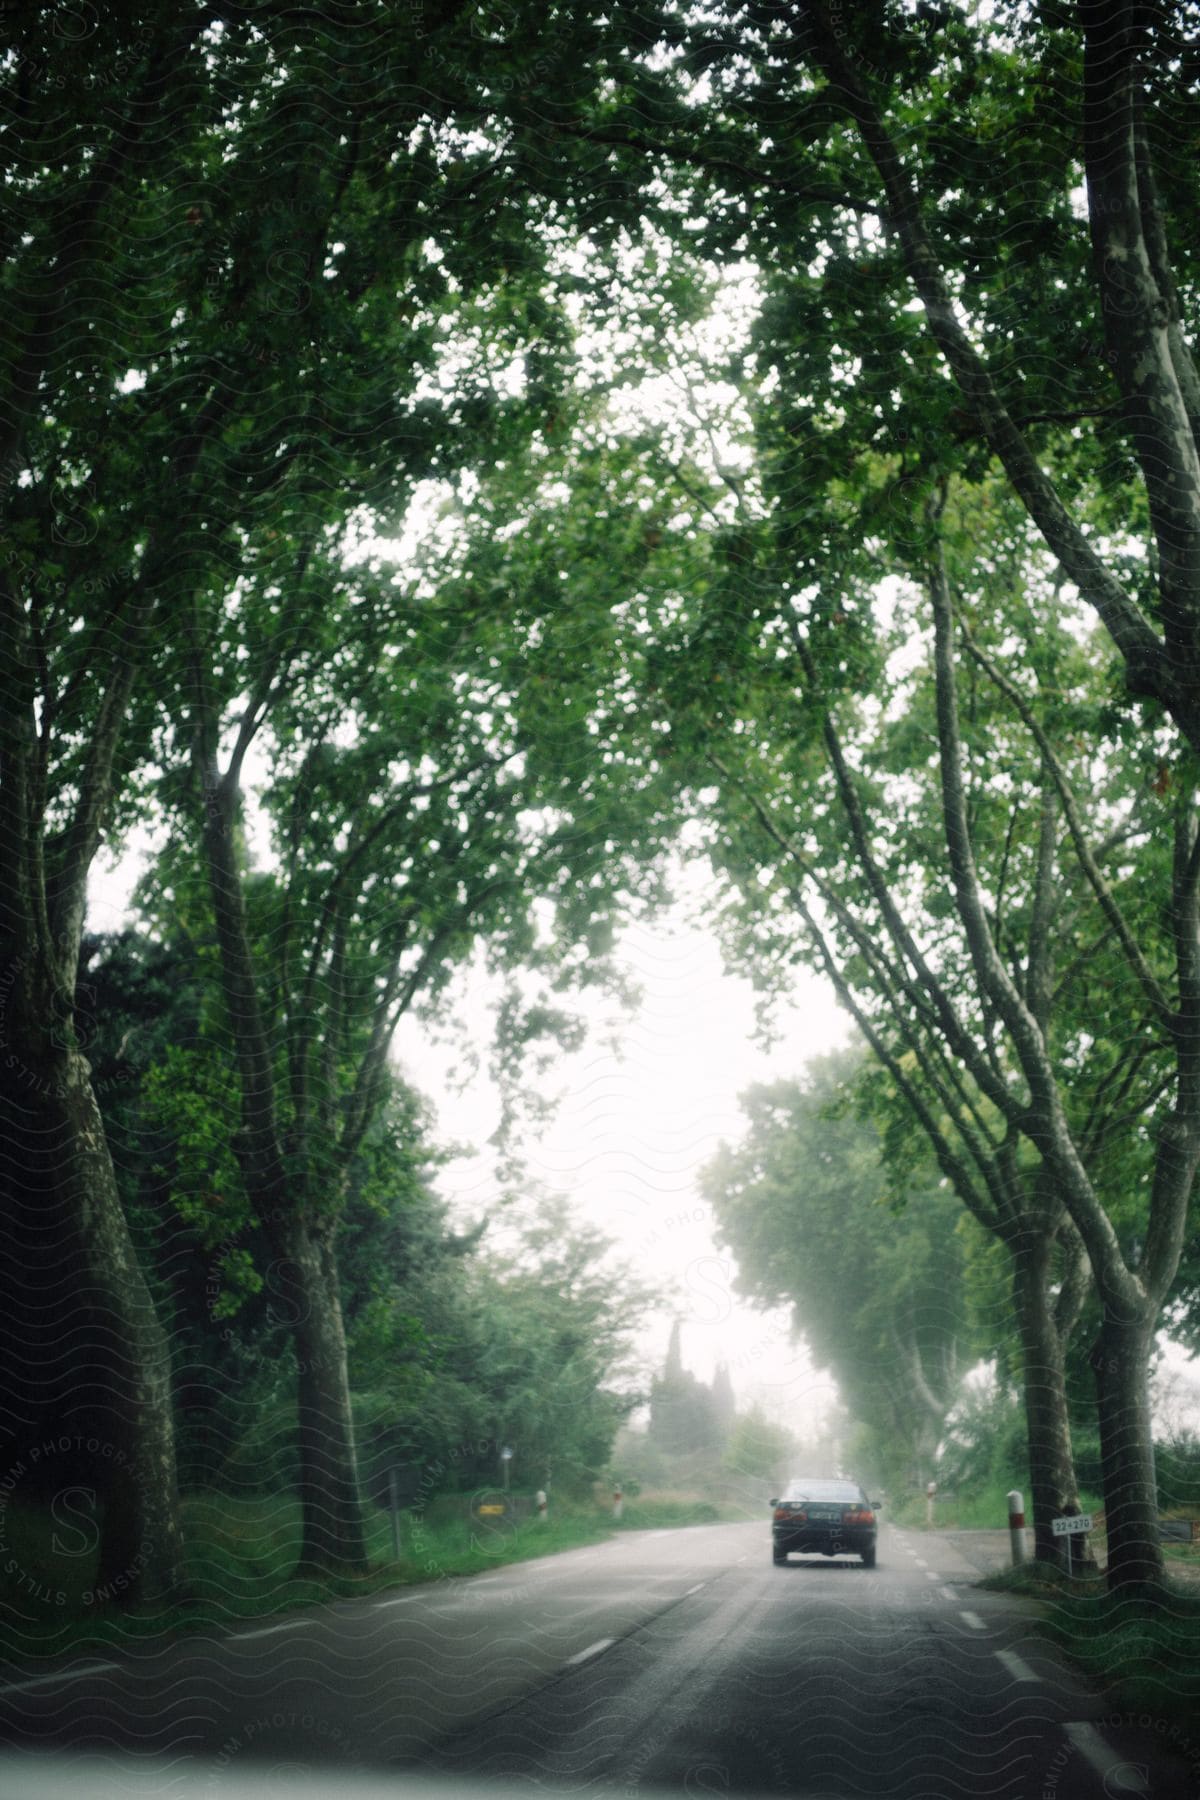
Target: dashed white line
{"type": "Point", "coordinates": [592, 1650]}
{"type": "Point", "coordinates": [1096, 1750]}
{"type": "Point", "coordinates": [949, 1593]}
{"type": "Point", "coordinates": [1016, 1665]}
{"type": "Point", "coordinates": [245, 1637]}
{"type": "Point", "coordinates": [931, 1575]}
{"type": "Point", "coordinates": [70, 1674]}
{"type": "Point", "coordinates": [396, 1600]}
{"type": "Point", "coordinates": [973, 1620]}
{"type": "Point", "coordinates": [696, 1589]}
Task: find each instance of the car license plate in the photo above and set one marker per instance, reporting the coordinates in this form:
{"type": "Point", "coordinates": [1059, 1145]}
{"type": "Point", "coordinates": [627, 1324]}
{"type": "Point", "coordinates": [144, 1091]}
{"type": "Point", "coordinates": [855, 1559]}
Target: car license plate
{"type": "Point", "coordinates": [826, 1514]}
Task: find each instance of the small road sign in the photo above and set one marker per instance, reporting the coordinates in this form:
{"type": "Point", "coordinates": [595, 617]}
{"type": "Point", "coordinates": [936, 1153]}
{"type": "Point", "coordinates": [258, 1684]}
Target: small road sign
{"type": "Point", "coordinates": [1075, 1522]}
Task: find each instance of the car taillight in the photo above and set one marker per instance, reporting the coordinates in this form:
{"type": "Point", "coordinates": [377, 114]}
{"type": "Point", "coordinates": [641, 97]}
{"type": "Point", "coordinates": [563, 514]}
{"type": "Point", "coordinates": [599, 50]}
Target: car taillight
{"type": "Point", "coordinates": [787, 1512]}
{"type": "Point", "coordinates": [863, 1517]}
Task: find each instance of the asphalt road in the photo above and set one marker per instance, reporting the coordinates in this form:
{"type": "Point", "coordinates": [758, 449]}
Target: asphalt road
{"type": "Point", "coordinates": [677, 1661]}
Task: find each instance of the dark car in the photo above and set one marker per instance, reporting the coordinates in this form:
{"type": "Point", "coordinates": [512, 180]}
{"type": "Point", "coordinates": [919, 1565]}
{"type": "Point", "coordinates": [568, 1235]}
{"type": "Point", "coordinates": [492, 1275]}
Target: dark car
{"type": "Point", "coordinates": [817, 1514]}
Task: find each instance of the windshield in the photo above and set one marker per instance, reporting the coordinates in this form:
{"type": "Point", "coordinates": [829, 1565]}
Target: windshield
{"type": "Point", "coordinates": [823, 1490]}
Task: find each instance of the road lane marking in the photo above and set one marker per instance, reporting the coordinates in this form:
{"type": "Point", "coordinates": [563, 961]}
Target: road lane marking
{"type": "Point", "coordinates": [1096, 1750]}
{"type": "Point", "coordinates": [592, 1650]}
{"type": "Point", "coordinates": [741, 1560]}
{"type": "Point", "coordinates": [931, 1575]}
{"type": "Point", "coordinates": [973, 1620]}
{"type": "Point", "coordinates": [696, 1589]}
{"type": "Point", "coordinates": [949, 1593]}
{"type": "Point", "coordinates": [244, 1637]}
{"type": "Point", "coordinates": [73, 1674]}
{"type": "Point", "coordinates": [396, 1600]}
{"type": "Point", "coordinates": [1016, 1665]}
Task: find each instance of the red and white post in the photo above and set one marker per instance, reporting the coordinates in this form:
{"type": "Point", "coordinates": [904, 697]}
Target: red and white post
{"type": "Point", "coordinates": [1016, 1526]}
{"type": "Point", "coordinates": [618, 1502]}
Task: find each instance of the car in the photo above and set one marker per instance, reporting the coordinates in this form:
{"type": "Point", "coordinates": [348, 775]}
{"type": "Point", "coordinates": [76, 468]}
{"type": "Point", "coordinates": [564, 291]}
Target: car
{"type": "Point", "coordinates": [820, 1514]}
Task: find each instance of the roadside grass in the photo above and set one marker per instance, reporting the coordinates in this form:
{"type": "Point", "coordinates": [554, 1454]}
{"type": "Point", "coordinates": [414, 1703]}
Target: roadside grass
{"type": "Point", "coordinates": [982, 1510]}
{"type": "Point", "coordinates": [659, 1511]}
{"type": "Point", "coordinates": [1143, 1652]}
{"type": "Point", "coordinates": [242, 1555]}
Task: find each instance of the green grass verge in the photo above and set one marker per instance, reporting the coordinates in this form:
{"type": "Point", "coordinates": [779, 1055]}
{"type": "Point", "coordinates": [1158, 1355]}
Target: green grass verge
{"type": "Point", "coordinates": [984, 1510]}
{"type": "Point", "coordinates": [242, 1554]}
{"type": "Point", "coordinates": [1143, 1653]}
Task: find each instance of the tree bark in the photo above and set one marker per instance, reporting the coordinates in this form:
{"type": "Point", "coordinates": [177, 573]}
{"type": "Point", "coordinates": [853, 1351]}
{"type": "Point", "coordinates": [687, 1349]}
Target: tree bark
{"type": "Point", "coordinates": [1121, 1364]}
{"type": "Point", "coordinates": [333, 1535]}
{"type": "Point", "coordinates": [1052, 1484]}
{"type": "Point", "coordinates": [86, 1363]}
{"type": "Point", "coordinates": [86, 1360]}
{"type": "Point", "coordinates": [303, 1276]}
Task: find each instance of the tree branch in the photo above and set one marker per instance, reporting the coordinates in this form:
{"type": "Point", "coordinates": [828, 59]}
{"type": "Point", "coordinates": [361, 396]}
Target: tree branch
{"type": "Point", "coordinates": [1147, 669]}
{"type": "Point", "coordinates": [1045, 1123]}
{"type": "Point", "coordinates": [1160, 1005]}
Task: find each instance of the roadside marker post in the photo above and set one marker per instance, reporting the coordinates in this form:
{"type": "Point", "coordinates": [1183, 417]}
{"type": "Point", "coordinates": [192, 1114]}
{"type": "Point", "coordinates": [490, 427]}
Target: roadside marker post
{"type": "Point", "coordinates": [1070, 1527]}
{"type": "Point", "coordinates": [394, 1509]}
{"type": "Point", "coordinates": [618, 1502]}
{"type": "Point", "coordinates": [1016, 1526]}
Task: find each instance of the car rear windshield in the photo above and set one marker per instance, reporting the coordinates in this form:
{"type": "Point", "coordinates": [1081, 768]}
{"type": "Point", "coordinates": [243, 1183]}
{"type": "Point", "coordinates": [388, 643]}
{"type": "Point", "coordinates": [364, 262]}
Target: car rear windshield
{"type": "Point", "coordinates": [824, 1490]}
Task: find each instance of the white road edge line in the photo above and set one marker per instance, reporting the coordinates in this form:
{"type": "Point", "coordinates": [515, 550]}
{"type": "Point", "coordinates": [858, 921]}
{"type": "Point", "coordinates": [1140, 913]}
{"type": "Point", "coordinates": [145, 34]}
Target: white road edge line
{"type": "Point", "coordinates": [696, 1589]}
{"type": "Point", "coordinates": [244, 1637]}
{"type": "Point", "coordinates": [1016, 1665]}
{"type": "Point", "coordinates": [1096, 1749]}
{"type": "Point", "coordinates": [973, 1620]}
{"type": "Point", "coordinates": [592, 1650]}
{"type": "Point", "coordinates": [70, 1674]}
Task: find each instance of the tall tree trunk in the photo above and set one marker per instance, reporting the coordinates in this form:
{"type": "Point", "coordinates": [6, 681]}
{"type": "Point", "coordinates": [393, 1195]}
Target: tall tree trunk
{"type": "Point", "coordinates": [1052, 1483]}
{"type": "Point", "coordinates": [1121, 1364]}
{"type": "Point", "coordinates": [333, 1534]}
{"type": "Point", "coordinates": [304, 1273]}
{"type": "Point", "coordinates": [90, 1433]}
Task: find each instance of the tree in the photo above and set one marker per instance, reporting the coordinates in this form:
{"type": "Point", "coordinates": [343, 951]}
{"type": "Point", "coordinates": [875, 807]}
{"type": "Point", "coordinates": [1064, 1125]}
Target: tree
{"type": "Point", "coordinates": [75, 615]}
{"type": "Point", "coordinates": [759, 1450]}
{"type": "Point", "coordinates": [874, 1270]}
{"type": "Point", "coordinates": [746, 640]}
{"type": "Point", "coordinates": [684, 1417]}
{"type": "Point", "coordinates": [961, 1044]}
{"type": "Point", "coordinates": [233, 250]}
{"type": "Point", "coordinates": [866, 201]}
{"type": "Point", "coordinates": [546, 1346]}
